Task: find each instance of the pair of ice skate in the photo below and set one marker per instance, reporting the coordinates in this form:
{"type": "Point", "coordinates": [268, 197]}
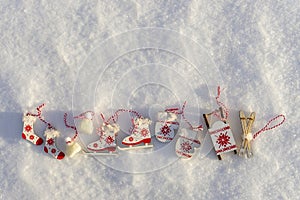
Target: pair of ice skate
{"type": "Point", "coordinates": [140, 137]}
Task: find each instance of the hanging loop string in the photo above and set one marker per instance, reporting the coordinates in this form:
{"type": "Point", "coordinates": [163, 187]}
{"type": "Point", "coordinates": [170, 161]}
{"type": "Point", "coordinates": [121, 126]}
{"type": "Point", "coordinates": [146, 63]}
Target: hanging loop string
{"type": "Point", "coordinates": [267, 128]}
{"type": "Point", "coordinates": [39, 109]}
{"type": "Point", "coordinates": [103, 119]}
{"type": "Point", "coordinates": [222, 105]}
{"type": "Point", "coordinates": [83, 115]}
{"type": "Point", "coordinates": [117, 113]}
{"type": "Point", "coordinates": [200, 127]}
{"type": "Point", "coordinates": [35, 115]}
{"type": "Point", "coordinates": [72, 127]}
{"type": "Point", "coordinates": [115, 117]}
{"type": "Point", "coordinates": [176, 111]}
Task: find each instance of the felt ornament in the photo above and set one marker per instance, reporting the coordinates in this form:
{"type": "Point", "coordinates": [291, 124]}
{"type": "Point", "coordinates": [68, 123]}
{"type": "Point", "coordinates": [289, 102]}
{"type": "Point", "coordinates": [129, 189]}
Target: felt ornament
{"type": "Point", "coordinates": [28, 132]}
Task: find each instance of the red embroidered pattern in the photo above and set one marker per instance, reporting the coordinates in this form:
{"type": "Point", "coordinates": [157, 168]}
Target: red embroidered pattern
{"type": "Point", "coordinates": [186, 146]}
{"type": "Point", "coordinates": [165, 130]}
{"type": "Point", "coordinates": [223, 139]}
{"type": "Point", "coordinates": [50, 141]}
{"type": "Point", "coordinates": [109, 140]}
{"type": "Point", "coordinates": [28, 128]}
{"type": "Point", "coordinates": [144, 132]}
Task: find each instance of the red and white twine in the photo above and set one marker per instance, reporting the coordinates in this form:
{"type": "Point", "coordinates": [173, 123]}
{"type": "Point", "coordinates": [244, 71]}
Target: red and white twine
{"type": "Point", "coordinates": [116, 115]}
{"type": "Point", "coordinates": [200, 127]}
{"type": "Point", "coordinates": [226, 112]}
{"type": "Point", "coordinates": [39, 115]}
{"type": "Point", "coordinates": [83, 115]}
{"type": "Point", "coordinates": [177, 111]}
{"type": "Point", "coordinates": [72, 127]}
{"type": "Point", "coordinates": [267, 128]}
{"type": "Point", "coordinates": [222, 105]}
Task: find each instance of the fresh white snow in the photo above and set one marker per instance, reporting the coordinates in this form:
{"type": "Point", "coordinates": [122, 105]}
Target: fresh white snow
{"type": "Point", "coordinates": [105, 55]}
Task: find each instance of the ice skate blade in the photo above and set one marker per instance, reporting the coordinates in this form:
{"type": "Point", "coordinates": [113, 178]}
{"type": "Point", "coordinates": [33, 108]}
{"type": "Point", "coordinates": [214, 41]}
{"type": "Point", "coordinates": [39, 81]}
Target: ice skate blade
{"type": "Point", "coordinates": [101, 153]}
{"type": "Point", "coordinates": [138, 146]}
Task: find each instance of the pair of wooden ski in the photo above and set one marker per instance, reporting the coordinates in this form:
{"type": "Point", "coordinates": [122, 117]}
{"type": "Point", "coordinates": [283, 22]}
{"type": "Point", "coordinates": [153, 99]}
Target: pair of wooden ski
{"type": "Point", "coordinates": [246, 123]}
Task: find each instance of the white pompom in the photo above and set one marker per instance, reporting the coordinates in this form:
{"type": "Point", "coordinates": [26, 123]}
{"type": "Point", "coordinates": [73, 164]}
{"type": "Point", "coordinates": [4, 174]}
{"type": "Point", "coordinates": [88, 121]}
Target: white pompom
{"type": "Point", "coordinates": [68, 140]}
{"type": "Point", "coordinates": [88, 115]}
{"type": "Point", "coordinates": [248, 137]}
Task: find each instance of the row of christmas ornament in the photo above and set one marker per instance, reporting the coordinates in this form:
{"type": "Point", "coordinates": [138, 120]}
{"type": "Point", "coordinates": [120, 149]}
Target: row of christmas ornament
{"type": "Point", "coordinates": [166, 127]}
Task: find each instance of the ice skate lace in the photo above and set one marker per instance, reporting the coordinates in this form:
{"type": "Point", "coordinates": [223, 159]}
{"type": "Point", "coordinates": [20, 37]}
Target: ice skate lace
{"type": "Point", "coordinates": [134, 129]}
{"type": "Point", "coordinates": [100, 132]}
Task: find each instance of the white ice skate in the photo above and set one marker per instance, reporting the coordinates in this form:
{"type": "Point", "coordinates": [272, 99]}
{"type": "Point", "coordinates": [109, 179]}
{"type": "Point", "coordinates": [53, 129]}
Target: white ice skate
{"type": "Point", "coordinates": [166, 126]}
{"type": "Point", "coordinates": [140, 136]}
{"type": "Point", "coordinates": [187, 143]}
{"type": "Point", "coordinates": [106, 145]}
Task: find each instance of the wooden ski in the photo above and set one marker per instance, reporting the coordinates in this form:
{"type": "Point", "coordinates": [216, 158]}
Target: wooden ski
{"type": "Point", "coordinates": [246, 124]}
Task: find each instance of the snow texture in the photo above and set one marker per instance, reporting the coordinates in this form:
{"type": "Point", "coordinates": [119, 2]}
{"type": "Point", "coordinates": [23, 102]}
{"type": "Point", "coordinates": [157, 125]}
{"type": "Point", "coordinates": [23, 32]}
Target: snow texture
{"type": "Point", "coordinates": [46, 51]}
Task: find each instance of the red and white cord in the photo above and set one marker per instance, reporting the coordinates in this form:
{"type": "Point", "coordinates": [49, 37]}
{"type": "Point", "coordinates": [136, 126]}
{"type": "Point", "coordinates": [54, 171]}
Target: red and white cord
{"type": "Point", "coordinates": [222, 105]}
{"type": "Point", "coordinates": [267, 128]}
{"type": "Point", "coordinates": [200, 127]}
{"type": "Point", "coordinates": [39, 115]}
{"type": "Point", "coordinates": [72, 127]}
{"type": "Point", "coordinates": [83, 115]}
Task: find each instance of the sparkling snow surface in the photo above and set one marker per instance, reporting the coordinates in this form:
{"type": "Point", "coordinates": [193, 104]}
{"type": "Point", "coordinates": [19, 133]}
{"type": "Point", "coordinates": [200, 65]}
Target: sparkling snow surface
{"type": "Point", "coordinates": [53, 51]}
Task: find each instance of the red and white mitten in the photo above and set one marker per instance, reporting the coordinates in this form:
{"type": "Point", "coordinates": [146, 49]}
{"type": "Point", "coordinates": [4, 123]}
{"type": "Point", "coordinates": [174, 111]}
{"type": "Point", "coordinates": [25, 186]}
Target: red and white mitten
{"type": "Point", "coordinates": [166, 126]}
{"type": "Point", "coordinates": [28, 132]}
{"type": "Point", "coordinates": [50, 146]}
{"type": "Point", "coordinates": [187, 142]}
